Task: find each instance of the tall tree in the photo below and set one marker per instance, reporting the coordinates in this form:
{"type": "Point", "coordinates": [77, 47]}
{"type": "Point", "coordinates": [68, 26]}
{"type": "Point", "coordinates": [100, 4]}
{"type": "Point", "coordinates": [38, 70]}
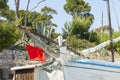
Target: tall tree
{"type": "Point", "coordinates": [77, 7]}
{"type": "Point", "coordinates": [81, 21]}
{"type": "Point", "coordinates": [82, 18]}
{"type": "Point", "coordinates": [45, 21]}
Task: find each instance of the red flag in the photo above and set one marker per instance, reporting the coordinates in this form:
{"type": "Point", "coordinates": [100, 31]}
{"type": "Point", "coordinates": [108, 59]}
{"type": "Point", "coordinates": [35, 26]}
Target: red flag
{"type": "Point", "coordinates": [35, 53]}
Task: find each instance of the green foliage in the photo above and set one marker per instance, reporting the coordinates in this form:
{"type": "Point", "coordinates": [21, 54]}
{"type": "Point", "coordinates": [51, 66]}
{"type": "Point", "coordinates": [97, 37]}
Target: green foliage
{"type": "Point", "coordinates": [116, 45]}
{"type": "Point", "coordinates": [116, 34]}
{"type": "Point", "coordinates": [67, 30]}
{"type": "Point", "coordinates": [118, 49]}
{"type": "Point", "coordinates": [39, 22]}
{"type": "Point", "coordinates": [92, 37]}
{"type": "Point", "coordinates": [21, 19]}
{"type": "Point", "coordinates": [81, 21]}
{"type": "Point", "coordinates": [54, 35]}
{"type": "Point", "coordinates": [3, 4]}
{"type": "Point", "coordinates": [79, 7]}
{"type": "Point", "coordinates": [105, 36]}
{"type": "Point", "coordinates": [8, 14]}
{"type": "Point", "coordinates": [78, 44]}
{"type": "Point", "coordinates": [44, 22]}
{"type": "Point", "coordinates": [46, 16]}
{"type": "Point", "coordinates": [32, 18]}
{"type": "Point", "coordinates": [35, 18]}
{"type": "Point", "coordinates": [9, 34]}
{"type": "Point", "coordinates": [48, 11]}
{"type": "Point", "coordinates": [79, 26]}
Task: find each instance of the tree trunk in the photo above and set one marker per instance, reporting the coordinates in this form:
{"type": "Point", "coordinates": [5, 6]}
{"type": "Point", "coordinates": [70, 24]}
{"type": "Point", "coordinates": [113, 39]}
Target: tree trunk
{"type": "Point", "coordinates": [17, 3]}
{"type": "Point", "coordinates": [26, 13]}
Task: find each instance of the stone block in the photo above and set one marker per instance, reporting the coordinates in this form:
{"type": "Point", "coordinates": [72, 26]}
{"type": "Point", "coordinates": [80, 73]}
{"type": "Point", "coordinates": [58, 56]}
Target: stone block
{"type": "Point", "coordinates": [9, 61]}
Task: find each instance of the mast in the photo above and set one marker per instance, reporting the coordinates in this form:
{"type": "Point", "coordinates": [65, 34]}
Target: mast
{"type": "Point", "coordinates": [110, 30]}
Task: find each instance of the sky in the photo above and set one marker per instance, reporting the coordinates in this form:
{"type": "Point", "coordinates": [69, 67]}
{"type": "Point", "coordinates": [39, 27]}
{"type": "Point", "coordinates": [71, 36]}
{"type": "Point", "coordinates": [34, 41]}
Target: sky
{"type": "Point", "coordinates": [97, 7]}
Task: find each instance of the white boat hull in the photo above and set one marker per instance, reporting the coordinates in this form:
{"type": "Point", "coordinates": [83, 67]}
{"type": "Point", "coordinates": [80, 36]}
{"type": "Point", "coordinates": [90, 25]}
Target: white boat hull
{"type": "Point", "coordinates": [91, 70]}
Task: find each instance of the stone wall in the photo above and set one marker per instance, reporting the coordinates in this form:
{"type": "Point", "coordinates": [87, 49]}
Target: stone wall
{"type": "Point", "coordinates": [7, 60]}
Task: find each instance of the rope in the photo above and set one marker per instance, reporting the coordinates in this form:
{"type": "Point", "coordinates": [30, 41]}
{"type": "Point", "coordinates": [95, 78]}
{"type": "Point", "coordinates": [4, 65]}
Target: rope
{"type": "Point", "coordinates": [37, 5]}
{"type": "Point", "coordinates": [116, 14]}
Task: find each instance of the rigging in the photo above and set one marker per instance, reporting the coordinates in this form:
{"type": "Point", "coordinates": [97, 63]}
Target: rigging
{"type": "Point", "coordinates": [116, 14]}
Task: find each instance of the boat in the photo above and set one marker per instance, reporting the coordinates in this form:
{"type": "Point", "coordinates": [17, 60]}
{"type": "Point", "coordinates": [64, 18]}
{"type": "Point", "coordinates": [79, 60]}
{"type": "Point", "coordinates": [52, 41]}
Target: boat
{"type": "Point", "coordinates": [71, 68]}
{"type": "Point", "coordinates": [91, 70]}
{"type": "Point", "coordinates": [88, 69]}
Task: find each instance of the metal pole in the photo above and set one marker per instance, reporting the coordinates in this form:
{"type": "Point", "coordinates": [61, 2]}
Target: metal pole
{"type": "Point", "coordinates": [110, 31]}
